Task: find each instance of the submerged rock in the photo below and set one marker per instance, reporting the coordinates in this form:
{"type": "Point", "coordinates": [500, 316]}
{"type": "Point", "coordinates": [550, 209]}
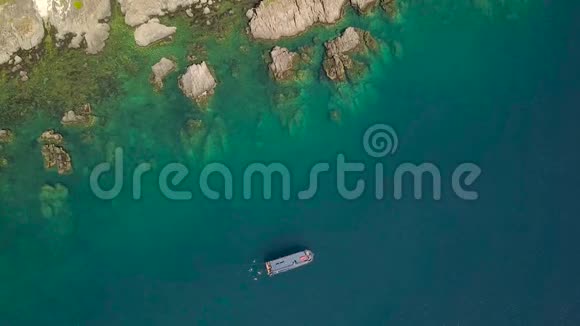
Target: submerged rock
{"type": "Point", "coordinates": [204, 139]}
{"type": "Point", "coordinates": [362, 5]}
{"type": "Point", "coordinates": [193, 134]}
{"type": "Point", "coordinates": [338, 62]}
{"type": "Point", "coordinates": [335, 115]}
{"type": "Point", "coordinates": [198, 82]}
{"type": "Point", "coordinates": [274, 19]}
{"type": "Point", "coordinates": [6, 136]}
{"type": "Point", "coordinates": [53, 200]}
{"type": "Point", "coordinates": [282, 62]}
{"type": "Point", "coordinates": [391, 7]}
{"type": "Point", "coordinates": [84, 20]}
{"type": "Point", "coordinates": [81, 118]}
{"type": "Point", "coordinates": [21, 28]}
{"type": "Point", "coordinates": [54, 206]}
{"type": "Point", "coordinates": [152, 32]}
{"type": "Point", "coordinates": [56, 157]}
{"type": "Point", "coordinates": [160, 71]}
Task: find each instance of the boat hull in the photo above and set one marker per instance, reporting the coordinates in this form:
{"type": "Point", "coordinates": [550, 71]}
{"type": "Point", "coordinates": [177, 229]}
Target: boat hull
{"type": "Point", "coordinates": [290, 262]}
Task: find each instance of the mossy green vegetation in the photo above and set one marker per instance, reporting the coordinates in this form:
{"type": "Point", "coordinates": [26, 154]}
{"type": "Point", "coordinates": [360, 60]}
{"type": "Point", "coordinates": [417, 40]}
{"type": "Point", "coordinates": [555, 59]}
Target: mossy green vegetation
{"type": "Point", "coordinates": [64, 79]}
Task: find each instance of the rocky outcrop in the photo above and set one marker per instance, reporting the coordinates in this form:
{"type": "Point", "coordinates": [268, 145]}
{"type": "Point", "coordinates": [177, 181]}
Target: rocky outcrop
{"type": "Point", "coordinates": [6, 136]}
{"type": "Point", "coordinates": [160, 71]}
{"type": "Point", "coordinates": [198, 82]}
{"type": "Point", "coordinates": [21, 27]}
{"type": "Point", "coordinates": [274, 19]}
{"type": "Point", "coordinates": [282, 62]}
{"type": "Point", "coordinates": [362, 5]}
{"type": "Point", "coordinates": [82, 117]}
{"type": "Point", "coordinates": [82, 19]}
{"type": "Point", "coordinates": [56, 157]}
{"type": "Point", "coordinates": [338, 63]}
{"type": "Point", "coordinates": [138, 12]}
{"type": "Point", "coordinates": [51, 137]}
{"type": "Point", "coordinates": [53, 154]}
{"type": "Point", "coordinates": [152, 32]}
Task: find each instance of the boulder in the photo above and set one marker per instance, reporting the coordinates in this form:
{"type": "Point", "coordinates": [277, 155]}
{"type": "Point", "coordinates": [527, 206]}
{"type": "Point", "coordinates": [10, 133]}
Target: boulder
{"type": "Point", "coordinates": [274, 19]}
{"type": "Point", "coordinates": [51, 137]}
{"type": "Point", "coordinates": [282, 62]}
{"type": "Point", "coordinates": [160, 71]}
{"type": "Point", "coordinates": [198, 82]}
{"type": "Point", "coordinates": [81, 118]}
{"type": "Point", "coordinates": [348, 41]}
{"type": "Point", "coordinates": [21, 28]}
{"type": "Point", "coordinates": [152, 32]}
{"type": "Point", "coordinates": [138, 12]}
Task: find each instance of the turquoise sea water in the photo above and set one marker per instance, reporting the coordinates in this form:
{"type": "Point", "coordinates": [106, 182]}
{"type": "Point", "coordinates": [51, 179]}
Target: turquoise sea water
{"type": "Point", "coordinates": [494, 90]}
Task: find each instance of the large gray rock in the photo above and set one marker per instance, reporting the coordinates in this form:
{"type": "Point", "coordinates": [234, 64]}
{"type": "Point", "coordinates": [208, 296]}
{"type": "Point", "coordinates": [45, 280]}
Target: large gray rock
{"type": "Point", "coordinates": [138, 12]}
{"type": "Point", "coordinates": [160, 71]}
{"type": "Point", "coordinates": [274, 19]}
{"type": "Point", "coordinates": [83, 20]}
{"type": "Point", "coordinates": [282, 62]}
{"type": "Point", "coordinates": [197, 82]}
{"type": "Point", "coordinates": [348, 41]}
{"type": "Point", "coordinates": [21, 28]}
{"type": "Point", "coordinates": [152, 32]}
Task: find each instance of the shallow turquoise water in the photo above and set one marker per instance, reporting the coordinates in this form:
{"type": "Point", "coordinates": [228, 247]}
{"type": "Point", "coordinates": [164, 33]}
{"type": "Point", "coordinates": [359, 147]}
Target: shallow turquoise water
{"type": "Point", "coordinates": [468, 88]}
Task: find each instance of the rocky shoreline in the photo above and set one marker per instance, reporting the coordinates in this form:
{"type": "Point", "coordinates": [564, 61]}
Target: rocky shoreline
{"type": "Point", "coordinates": [87, 24]}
